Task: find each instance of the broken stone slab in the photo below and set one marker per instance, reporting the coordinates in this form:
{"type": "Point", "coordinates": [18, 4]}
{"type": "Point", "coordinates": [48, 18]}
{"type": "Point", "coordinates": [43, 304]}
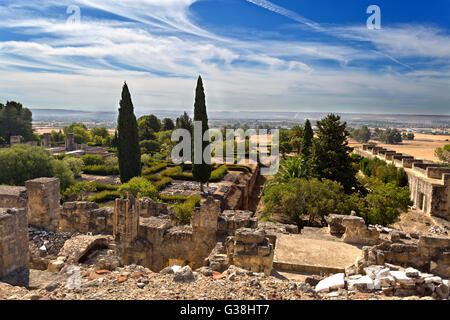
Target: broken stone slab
{"type": "Point", "coordinates": [334, 282]}
{"type": "Point", "coordinates": [442, 291]}
{"type": "Point", "coordinates": [184, 274]}
{"type": "Point", "coordinates": [364, 284]}
{"type": "Point", "coordinates": [313, 280]}
{"type": "Point", "coordinates": [412, 273]}
{"type": "Point", "coordinates": [435, 279]}
{"type": "Point", "coordinates": [402, 278]}
{"type": "Point", "coordinates": [385, 282]}
{"type": "Point", "coordinates": [247, 235]}
{"type": "Point", "coordinates": [55, 266]}
{"type": "Point", "coordinates": [375, 272]}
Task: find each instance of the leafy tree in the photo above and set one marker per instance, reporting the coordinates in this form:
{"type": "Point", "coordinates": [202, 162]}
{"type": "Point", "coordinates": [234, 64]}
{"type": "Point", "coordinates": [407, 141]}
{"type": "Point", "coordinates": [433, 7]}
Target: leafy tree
{"type": "Point", "coordinates": [128, 139]}
{"type": "Point", "coordinates": [298, 199]}
{"type": "Point", "coordinates": [139, 187]}
{"type": "Point", "coordinates": [391, 136]}
{"type": "Point", "coordinates": [148, 125]}
{"type": "Point", "coordinates": [443, 153]}
{"type": "Point", "coordinates": [80, 132]}
{"type": "Point", "coordinates": [21, 163]}
{"type": "Point", "coordinates": [201, 171]}
{"type": "Point", "coordinates": [330, 156]}
{"type": "Point", "coordinates": [285, 147]}
{"type": "Point", "coordinates": [308, 135]}
{"type": "Point", "coordinates": [150, 146]}
{"type": "Point", "coordinates": [290, 168]}
{"type": "Point", "coordinates": [385, 202]}
{"type": "Point", "coordinates": [361, 135]}
{"type": "Point", "coordinates": [185, 122]}
{"type": "Point", "coordinates": [57, 137]}
{"type": "Point", "coordinates": [15, 120]}
{"type": "Point", "coordinates": [168, 124]}
{"type": "Point", "coordinates": [100, 131]}
{"type": "Point", "coordinates": [408, 136]}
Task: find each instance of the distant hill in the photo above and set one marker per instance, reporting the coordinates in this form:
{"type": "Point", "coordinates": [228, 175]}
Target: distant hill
{"type": "Point", "coordinates": [381, 120]}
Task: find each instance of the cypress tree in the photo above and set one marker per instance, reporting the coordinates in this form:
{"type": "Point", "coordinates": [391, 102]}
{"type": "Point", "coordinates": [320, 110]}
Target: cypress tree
{"type": "Point", "coordinates": [201, 172]}
{"type": "Point", "coordinates": [128, 139]}
{"type": "Point", "coordinates": [308, 135]}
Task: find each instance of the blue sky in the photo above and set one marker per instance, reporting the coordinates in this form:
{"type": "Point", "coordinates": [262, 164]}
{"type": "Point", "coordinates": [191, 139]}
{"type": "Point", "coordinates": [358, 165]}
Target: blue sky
{"type": "Point", "coordinates": [254, 55]}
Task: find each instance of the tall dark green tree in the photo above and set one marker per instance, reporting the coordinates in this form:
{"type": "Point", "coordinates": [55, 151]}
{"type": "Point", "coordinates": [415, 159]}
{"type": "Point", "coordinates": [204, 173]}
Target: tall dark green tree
{"type": "Point", "coordinates": [201, 171]}
{"type": "Point", "coordinates": [330, 153]}
{"type": "Point", "coordinates": [128, 139]}
{"type": "Point", "coordinates": [15, 120]}
{"type": "Point", "coordinates": [308, 135]}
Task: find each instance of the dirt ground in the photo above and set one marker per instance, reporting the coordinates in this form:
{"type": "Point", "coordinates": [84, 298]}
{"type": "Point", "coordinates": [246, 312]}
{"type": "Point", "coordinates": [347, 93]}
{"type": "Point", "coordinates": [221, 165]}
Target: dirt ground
{"type": "Point", "coordinates": [416, 221]}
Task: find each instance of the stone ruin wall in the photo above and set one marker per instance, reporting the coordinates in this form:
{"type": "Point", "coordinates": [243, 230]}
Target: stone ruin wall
{"type": "Point", "coordinates": [429, 254]}
{"type": "Point", "coordinates": [147, 232]}
{"type": "Point", "coordinates": [43, 203]}
{"type": "Point", "coordinates": [238, 197]}
{"type": "Point", "coordinates": [13, 197]}
{"type": "Point", "coordinates": [429, 184]}
{"type": "Point", "coordinates": [14, 254]}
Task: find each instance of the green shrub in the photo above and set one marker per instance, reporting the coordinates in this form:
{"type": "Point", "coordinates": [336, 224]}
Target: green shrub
{"type": "Point", "coordinates": [139, 187]}
{"type": "Point", "coordinates": [218, 174]}
{"type": "Point", "coordinates": [21, 163]}
{"type": "Point", "coordinates": [78, 191]}
{"type": "Point", "coordinates": [154, 168]}
{"type": "Point", "coordinates": [61, 171]}
{"type": "Point", "coordinates": [112, 161]}
{"type": "Point", "coordinates": [103, 186]}
{"type": "Point", "coordinates": [101, 170]}
{"type": "Point", "coordinates": [237, 167]}
{"type": "Point", "coordinates": [385, 202]}
{"type": "Point", "coordinates": [183, 211]}
{"type": "Point", "coordinates": [92, 159]}
{"type": "Point", "coordinates": [164, 182]}
{"type": "Point", "coordinates": [266, 219]}
{"type": "Point", "coordinates": [75, 164]}
{"type": "Point", "coordinates": [150, 146]}
{"type": "Point", "coordinates": [105, 196]}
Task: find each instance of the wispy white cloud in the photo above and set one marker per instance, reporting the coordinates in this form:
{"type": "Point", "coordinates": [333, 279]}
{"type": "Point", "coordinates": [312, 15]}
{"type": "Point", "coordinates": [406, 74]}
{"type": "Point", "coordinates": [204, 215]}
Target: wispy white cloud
{"type": "Point", "coordinates": [159, 50]}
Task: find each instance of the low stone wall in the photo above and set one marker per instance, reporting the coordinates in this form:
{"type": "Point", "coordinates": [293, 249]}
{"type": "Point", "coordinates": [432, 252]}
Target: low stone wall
{"type": "Point", "coordinates": [253, 251]}
{"type": "Point", "coordinates": [428, 254]}
{"type": "Point", "coordinates": [14, 254]}
{"type": "Point", "coordinates": [84, 217]}
{"type": "Point", "coordinates": [13, 197]}
{"type": "Point", "coordinates": [231, 220]}
{"type": "Point", "coordinates": [150, 208]}
{"type": "Point", "coordinates": [353, 229]}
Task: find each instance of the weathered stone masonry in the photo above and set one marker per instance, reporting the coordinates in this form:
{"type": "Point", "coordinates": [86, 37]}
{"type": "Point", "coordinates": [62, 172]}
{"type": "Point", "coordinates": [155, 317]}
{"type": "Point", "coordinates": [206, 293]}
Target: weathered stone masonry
{"type": "Point", "coordinates": [428, 183]}
{"type": "Point", "coordinates": [13, 240]}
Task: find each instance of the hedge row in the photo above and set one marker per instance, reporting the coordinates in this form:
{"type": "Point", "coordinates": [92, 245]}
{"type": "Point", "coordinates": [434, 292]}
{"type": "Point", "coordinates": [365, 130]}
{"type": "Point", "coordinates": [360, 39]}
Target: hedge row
{"type": "Point", "coordinates": [154, 169]}
{"type": "Point", "coordinates": [238, 167]}
{"type": "Point", "coordinates": [101, 170]}
{"type": "Point", "coordinates": [105, 196]}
